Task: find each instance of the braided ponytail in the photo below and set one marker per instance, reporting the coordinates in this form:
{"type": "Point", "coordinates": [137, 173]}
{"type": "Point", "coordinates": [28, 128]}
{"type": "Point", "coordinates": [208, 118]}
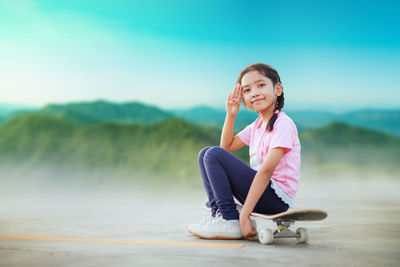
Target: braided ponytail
{"type": "Point", "coordinates": [280, 101]}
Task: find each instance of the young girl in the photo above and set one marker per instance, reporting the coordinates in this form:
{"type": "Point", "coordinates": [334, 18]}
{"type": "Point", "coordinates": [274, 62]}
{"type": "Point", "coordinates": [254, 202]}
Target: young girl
{"type": "Point", "coordinates": [270, 184]}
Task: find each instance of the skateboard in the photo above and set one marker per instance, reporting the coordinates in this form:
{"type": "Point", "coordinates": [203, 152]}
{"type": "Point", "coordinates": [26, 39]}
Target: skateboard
{"type": "Point", "coordinates": [283, 221]}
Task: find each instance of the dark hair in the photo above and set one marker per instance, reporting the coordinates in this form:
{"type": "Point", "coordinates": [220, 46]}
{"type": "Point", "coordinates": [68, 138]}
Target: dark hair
{"type": "Point", "coordinates": [273, 75]}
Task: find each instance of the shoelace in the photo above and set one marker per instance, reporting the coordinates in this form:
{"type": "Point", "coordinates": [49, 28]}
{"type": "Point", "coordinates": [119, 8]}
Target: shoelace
{"type": "Point", "coordinates": [217, 219]}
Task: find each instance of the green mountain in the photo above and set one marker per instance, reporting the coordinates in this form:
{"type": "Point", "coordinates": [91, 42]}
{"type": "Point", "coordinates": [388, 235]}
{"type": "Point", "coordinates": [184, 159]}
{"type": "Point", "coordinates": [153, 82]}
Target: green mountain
{"type": "Point", "coordinates": [8, 111]}
{"type": "Point", "coordinates": [387, 121]}
{"type": "Point", "coordinates": [168, 150]}
{"type": "Point", "coordinates": [340, 144]}
{"type": "Point", "coordinates": [89, 113]}
{"type": "Point", "coordinates": [165, 149]}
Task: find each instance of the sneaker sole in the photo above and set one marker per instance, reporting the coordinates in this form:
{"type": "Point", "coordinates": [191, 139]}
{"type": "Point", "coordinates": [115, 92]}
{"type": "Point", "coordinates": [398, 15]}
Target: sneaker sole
{"type": "Point", "coordinates": [215, 236]}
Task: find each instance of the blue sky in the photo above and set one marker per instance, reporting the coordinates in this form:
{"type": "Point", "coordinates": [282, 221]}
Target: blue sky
{"type": "Point", "coordinates": [336, 55]}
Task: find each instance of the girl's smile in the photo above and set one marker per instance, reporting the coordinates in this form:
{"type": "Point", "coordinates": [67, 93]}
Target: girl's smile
{"type": "Point", "coordinates": [256, 101]}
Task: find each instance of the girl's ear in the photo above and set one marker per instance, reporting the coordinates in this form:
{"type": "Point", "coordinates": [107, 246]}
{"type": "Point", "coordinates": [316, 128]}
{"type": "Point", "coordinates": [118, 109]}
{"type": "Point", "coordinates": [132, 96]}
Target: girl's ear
{"type": "Point", "coordinates": [278, 89]}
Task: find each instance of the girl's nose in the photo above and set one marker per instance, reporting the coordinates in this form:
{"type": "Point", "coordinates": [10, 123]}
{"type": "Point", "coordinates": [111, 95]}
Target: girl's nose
{"type": "Point", "coordinates": [254, 93]}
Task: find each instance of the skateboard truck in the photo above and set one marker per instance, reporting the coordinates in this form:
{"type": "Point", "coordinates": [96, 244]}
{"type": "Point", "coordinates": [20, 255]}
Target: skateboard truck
{"type": "Point", "coordinates": [283, 230]}
{"type": "Point", "coordinates": [266, 236]}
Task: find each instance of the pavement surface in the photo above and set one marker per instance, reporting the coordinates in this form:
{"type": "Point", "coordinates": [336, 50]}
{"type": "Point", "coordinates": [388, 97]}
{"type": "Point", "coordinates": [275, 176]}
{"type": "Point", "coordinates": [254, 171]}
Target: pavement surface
{"type": "Point", "coordinates": [62, 228]}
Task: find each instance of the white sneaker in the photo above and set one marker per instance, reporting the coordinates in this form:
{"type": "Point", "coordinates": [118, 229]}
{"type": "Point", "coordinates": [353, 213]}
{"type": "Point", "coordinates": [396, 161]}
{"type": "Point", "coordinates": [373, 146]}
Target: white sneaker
{"type": "Point", "coordinates": [204, 221]}
{"type": "Point", "coordinates": [218, 228]}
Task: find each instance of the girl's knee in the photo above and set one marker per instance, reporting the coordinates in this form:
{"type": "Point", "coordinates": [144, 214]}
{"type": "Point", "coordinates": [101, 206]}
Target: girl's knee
{"type": "Point", "coordinates": [213, 152]}
{"type": "Point", "coordinates": [202, 152]}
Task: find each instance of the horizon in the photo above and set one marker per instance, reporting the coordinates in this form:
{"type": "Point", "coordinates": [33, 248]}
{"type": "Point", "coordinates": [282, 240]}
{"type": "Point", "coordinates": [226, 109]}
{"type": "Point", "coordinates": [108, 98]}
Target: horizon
{"type": "Point", "coordinates": [19, 106]}
{"type": "Point", "coordinates": [179, 54]}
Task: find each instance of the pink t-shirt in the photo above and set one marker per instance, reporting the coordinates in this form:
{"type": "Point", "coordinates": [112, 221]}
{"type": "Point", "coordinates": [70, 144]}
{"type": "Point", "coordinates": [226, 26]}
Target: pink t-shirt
{"type": "Point", "coordinates": [284, 135]}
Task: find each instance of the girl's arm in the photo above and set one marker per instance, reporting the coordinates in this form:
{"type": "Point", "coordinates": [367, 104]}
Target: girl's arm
{"type": "Point", "coordinates": [228, 141]}
{"type": "Point", "coordinates": [257, 188]}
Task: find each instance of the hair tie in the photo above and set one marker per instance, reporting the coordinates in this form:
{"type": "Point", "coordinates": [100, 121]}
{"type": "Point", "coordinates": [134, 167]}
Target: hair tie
{"type": "Point", "coordinates": [276, 111]}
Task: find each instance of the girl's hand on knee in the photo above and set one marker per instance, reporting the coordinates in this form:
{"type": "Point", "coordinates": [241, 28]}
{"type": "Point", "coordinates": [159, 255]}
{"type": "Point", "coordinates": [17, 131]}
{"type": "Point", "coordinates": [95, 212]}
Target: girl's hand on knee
{"type": "Point", "coordinates": [248, 231]}
{"type": "Point", "coordinates": [233, 101]}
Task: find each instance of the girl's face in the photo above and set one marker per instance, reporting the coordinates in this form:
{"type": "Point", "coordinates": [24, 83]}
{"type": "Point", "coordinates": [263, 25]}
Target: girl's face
{"type": "Point", "coordinates": [259, 93]}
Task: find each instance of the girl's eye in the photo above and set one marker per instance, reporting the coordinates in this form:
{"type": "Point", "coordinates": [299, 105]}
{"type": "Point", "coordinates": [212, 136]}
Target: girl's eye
{"type": "Point", "coordinates": [261, 84]}
{"type": "Point", "coordinates": [246, 90]}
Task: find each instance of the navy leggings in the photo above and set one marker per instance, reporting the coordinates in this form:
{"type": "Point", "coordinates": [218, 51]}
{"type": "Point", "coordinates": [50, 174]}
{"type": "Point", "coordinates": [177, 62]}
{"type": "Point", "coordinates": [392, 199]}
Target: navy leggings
{"type": "Point", "coordinates": [226, 176]}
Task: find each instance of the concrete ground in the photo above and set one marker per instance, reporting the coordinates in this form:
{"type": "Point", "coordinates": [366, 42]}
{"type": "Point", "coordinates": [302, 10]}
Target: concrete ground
{"type": "Point", "coordinates": [362, 229]}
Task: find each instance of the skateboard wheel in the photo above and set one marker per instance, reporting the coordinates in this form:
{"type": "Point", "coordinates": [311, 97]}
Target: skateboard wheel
{"type": "Point", "coordinates": [265, 236]}
{"type": "Point", "coordinates": [302, 235]}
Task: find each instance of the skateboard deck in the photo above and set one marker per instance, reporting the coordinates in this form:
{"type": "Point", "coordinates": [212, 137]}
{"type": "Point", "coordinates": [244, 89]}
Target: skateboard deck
{"type": "Point", "coordinates": [283, 221]}
{"type": "Point", "coordinates": [294, 215]}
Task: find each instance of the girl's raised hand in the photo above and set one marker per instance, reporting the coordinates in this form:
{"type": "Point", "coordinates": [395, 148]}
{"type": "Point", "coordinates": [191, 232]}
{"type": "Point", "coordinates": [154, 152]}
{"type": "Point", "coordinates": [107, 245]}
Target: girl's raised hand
{"type": "Point", "coordinates": [233, 101]}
